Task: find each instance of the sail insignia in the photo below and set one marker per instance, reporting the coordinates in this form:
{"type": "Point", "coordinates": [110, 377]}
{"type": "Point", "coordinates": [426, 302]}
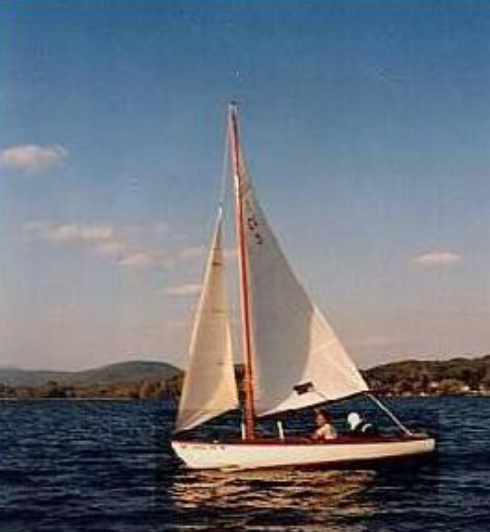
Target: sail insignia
{"type": "Point", "coordinates": [305, 387]}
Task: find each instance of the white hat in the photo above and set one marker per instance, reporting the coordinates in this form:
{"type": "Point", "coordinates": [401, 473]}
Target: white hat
{"type": "Point", "coordinates": [353, 419]}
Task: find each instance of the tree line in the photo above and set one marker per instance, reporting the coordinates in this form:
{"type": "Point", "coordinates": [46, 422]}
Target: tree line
{"type": "Point", "coordinates": [411, 377]}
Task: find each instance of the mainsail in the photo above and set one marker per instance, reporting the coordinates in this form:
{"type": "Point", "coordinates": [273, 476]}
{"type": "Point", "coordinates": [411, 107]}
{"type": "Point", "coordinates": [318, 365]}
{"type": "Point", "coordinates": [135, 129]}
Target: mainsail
{"type": "Point", "coordinates": [209, 387]}
{"type": "Point", "coordinates": [298, 360]}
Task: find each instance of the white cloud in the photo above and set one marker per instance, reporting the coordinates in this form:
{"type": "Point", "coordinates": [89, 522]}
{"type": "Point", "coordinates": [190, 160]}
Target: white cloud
{"type": "Point", "coordinates": [137, 260]}
{"type": "Point", "coordinates": [36, 226]}
{"type": "Point", "coordinates": [436, 259]}
{"type": "Point", "coordinates": [183, 290]}
{"type": "Point", "coordinates": [62, 233]}
{"type": "Point", "coordinates": [103, 240]}
{"type": "Point", "coordinates": [32, 158]}
{"type": "Point", "coordinates": [121, 245]}
{"type": "Point", "coordinates": [73, 232]}
{"type": "Point", "coordinates": [114, 248]}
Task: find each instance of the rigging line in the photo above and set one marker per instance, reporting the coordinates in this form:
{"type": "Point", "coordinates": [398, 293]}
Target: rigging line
{"type": "Point", "coordinates": [224, 172]}
{"type": "Point", "coordinates": [381, 406]}
{"type": "Point", "coordinates": [387, 411]}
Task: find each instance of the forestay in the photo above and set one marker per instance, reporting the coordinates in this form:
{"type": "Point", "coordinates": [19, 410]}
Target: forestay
{"type": "Point", "coordinates": [298, 359]}
{"type": "Point", "coordinates": [209, 387]}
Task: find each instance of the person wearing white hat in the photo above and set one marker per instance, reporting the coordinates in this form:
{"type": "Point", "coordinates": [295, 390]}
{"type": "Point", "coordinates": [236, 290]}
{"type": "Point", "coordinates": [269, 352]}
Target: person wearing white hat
{"type": "Point", "coordinates": [358, 426]}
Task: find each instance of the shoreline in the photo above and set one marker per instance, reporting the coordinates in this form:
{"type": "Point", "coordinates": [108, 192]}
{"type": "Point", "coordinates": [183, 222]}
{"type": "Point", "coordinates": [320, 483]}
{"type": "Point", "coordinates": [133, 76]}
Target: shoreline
{"type": "Point", "coordinates": [132, 400]}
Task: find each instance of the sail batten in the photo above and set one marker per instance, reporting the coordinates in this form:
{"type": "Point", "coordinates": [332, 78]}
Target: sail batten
{"type": "Point", "coordinates": [209, 387]}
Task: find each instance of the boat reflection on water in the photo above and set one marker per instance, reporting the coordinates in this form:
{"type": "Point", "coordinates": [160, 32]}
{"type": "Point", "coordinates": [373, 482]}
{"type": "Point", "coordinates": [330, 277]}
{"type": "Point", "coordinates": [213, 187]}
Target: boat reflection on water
{"type": "Point", "coordinates": [275, 499]}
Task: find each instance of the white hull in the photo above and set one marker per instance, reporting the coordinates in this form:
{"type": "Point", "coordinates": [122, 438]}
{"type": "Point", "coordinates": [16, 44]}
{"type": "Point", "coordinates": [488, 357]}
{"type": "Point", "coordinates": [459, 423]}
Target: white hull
{"type": "Point", "coordinates": [267, 454]}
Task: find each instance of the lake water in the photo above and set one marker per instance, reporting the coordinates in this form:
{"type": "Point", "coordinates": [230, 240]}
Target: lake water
{"type": "Point", "coordinates": [107, 466]}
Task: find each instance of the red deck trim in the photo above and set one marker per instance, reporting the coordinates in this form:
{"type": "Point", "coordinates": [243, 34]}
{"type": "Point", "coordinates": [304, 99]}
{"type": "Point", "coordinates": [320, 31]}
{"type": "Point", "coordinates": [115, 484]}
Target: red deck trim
{"type": "Point", "coordinates": [342, 440]}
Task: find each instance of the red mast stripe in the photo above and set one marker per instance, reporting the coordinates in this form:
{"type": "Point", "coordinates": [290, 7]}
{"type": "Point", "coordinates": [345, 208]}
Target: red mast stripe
{"type": "Point", "coordinates": [247, 343]}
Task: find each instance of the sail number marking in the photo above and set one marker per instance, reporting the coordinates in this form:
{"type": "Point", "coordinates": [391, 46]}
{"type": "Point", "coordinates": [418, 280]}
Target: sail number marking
{"type": "Point", "coordinates": [253, 226]}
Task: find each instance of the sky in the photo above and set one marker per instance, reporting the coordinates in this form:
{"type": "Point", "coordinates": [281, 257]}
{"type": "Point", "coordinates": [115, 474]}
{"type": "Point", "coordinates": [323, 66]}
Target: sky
{"type": "Point", "coordinates": [366, 126]}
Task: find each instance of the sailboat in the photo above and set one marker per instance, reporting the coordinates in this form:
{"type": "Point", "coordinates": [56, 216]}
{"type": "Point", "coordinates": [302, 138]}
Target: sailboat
{"type": "Point", "coordinates": [292, 359]}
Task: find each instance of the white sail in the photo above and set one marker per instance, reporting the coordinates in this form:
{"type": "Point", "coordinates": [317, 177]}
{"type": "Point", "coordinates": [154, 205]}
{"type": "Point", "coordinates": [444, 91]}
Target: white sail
{"type": "Point", "coordinates": [209, 386]}
{"type": "Point", "coordinates": [298, 359]}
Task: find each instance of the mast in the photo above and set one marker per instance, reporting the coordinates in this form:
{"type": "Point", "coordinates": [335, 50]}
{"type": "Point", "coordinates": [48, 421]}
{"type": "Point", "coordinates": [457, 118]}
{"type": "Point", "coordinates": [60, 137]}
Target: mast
{"type": "Point", "coordinates": [244, 285]}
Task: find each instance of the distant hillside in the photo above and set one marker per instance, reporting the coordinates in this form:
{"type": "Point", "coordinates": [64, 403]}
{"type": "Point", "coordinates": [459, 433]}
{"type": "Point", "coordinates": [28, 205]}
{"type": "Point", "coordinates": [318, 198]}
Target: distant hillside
{"type": "Point", "coordinates": [123, 372]}
{"type": "Point", "coordinates": [457, 375]}
{"type": "Point", "coordinates": [21, 377]}
{"type": "Point", "coordinates": [150, 380]}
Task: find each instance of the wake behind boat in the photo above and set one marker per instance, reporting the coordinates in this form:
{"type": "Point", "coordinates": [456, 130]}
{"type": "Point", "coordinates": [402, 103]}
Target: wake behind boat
{"type": "Point", "coordinates": [292, 357]}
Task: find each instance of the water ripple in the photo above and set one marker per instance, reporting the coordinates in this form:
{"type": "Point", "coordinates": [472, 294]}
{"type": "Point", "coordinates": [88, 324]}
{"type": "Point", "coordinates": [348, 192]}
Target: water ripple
{"type": "Point", "coordinates": [103, 466]}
